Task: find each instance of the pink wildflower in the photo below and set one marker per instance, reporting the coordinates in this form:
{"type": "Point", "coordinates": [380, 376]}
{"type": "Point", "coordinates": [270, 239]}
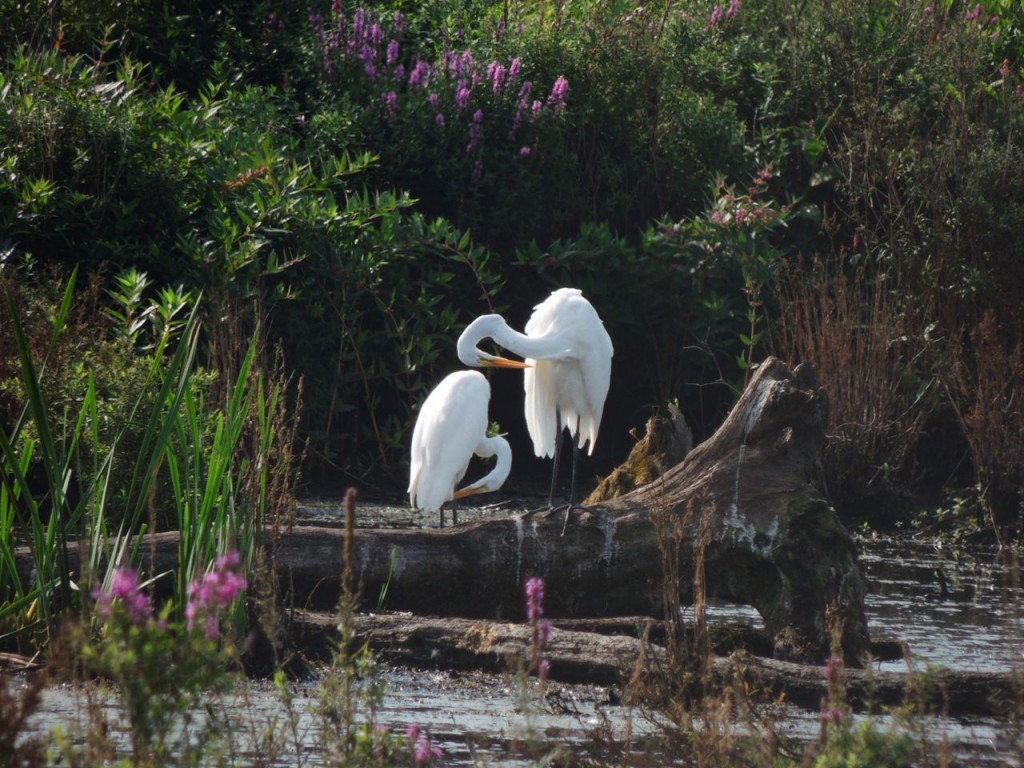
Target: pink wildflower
{"type": "Point", "coordinates": [423, 750]}
{"type": "Point", "coordinates": [833, 670]}
{"type": "Point", "coordinates": [534, 598]}
{"type": "Point", "coordinates": [544, 631]}
{"type": "Point", "coordinates": [462, 94]}
{"type": "Point", "coordinates": [496, 72]}
{"type": "Point", "coordinates": [833, 715]}
{"type": "Point", "coordinates": [557, 98]}
{"type": "Point", "coordinates": [213, 591]}
{"type": "Point", "coordinates": [419, 75]}
{"type": "Point", "coordinates": [124, 587]}
{"type": "Point", "coordinates": [734, 9]}
{"type": "Point", "coordinates": [474, 131]}
{"type": "Point", "coordinates": [358, 24]}
{"type": "Point", "coordinates": [544, 669]}
{"type": "Point", "coordinates": [716, 16]}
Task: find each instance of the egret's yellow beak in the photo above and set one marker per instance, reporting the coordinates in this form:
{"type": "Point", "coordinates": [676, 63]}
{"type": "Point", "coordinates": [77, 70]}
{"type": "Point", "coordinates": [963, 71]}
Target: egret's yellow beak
{"type": "Point", "coordinates": [503, 362]}
{"type": "Point", "coordinates": [469, 490]}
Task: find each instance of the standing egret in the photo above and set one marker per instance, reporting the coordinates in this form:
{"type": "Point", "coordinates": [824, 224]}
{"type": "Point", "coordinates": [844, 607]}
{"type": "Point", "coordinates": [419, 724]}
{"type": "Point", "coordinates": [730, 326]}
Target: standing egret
{"type": "Point", "coordinates": [451, 427]}
{"type": "Point", "coordinates": [569, 354]}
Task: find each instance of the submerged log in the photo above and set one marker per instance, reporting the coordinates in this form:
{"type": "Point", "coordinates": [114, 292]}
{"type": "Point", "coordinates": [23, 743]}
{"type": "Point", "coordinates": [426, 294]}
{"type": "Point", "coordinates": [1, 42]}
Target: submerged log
{"type": "Point", "coordinates": [623, 660]}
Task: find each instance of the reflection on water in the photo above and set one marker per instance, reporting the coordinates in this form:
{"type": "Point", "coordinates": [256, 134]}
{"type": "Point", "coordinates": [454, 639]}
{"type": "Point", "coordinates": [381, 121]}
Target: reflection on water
{"type": "Point", "coordinates": [961, 612]}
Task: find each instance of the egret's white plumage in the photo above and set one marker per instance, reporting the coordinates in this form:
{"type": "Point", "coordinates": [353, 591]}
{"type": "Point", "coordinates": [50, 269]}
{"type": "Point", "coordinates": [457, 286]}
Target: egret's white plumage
{"type": "Point", "coordinates": [451, 427]}
{"type": "Point", "coordinates": [569, 354]}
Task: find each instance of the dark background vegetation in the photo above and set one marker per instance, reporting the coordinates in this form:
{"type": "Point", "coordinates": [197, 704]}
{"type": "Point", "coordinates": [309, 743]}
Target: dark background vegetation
{"type": "Point", "coordinates": [837, 182]}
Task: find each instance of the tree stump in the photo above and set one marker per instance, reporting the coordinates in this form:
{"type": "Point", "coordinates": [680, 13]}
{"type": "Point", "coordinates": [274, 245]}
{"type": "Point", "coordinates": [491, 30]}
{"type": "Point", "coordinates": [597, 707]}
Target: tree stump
{"type": "Point", "coordinates": [742, 504]}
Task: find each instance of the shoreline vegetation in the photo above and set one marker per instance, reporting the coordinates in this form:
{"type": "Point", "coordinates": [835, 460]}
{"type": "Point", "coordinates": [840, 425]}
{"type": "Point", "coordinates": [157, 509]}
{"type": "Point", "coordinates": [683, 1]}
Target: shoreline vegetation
{"type": "Point", "coordinates": [239, 241]}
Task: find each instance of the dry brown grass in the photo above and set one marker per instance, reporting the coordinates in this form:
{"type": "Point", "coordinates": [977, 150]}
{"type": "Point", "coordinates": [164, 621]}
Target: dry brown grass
{"type": "Point", "coordinates": [989, 400]}
{"type": "Point", "coordinates": [869, 346]}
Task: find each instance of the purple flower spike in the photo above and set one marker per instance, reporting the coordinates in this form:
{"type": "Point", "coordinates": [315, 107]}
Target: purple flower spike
{"type": "Point", "coordinates": [462, 94]}
{"type": "Point", "coordinates": [833, 669]}
{"type": "Point", "coordinates": [534, 598]}
{"type": "Point", "coordinates": [556, 99]}
{"type": "Point", "coordinates": [124, 587]}
{"type": "Point", "coordinates": [419, 75]}
{"type": "Point", "coordinates": [211, 592]}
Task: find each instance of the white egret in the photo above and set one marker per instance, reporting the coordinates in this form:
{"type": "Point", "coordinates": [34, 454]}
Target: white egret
{"type": "Point", "coordinates": [569, 354]}
{"type": "Point", "coordinates": [451, 427]}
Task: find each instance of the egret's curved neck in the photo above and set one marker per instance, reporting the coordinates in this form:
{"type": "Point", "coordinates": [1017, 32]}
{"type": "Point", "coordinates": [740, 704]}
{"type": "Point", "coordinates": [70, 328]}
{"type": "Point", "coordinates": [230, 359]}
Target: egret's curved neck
{"type": "Point", "coordinates": [494, 327]}
{"type": "Point", "coordinates": [499, 448]}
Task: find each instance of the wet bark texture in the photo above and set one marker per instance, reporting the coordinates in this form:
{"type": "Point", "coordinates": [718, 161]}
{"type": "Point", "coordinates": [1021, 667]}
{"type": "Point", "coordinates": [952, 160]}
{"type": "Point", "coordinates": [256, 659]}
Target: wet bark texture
{"type": "Point", "coordinates": [630, 661]}
{"type": "Point", "coordinates": [741, 505]}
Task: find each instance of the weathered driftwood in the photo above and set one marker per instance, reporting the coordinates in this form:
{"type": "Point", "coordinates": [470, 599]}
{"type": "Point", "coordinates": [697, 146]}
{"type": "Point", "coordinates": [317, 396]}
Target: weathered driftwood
{"type": "Point", "coordinates": [741, 503]}
{"type": "Point", "coordinates": [615, 660]}
{"type": "Point", "coordinates": [666, 441]}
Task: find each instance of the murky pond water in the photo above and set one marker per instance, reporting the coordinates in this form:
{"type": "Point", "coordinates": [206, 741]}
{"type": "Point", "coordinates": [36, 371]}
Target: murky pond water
{"type": "Point", "coordinates": [959, 610]}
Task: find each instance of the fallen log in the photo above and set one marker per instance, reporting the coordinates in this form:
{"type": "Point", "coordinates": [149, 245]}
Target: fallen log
{"type": "Point", "coordinates": [579, 657]}
{"type": "Point", "coordinates": [738, 518]}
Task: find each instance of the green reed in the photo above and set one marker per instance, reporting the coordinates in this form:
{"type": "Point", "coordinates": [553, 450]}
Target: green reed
{"type": "Point", "coordinates": [207, 465]}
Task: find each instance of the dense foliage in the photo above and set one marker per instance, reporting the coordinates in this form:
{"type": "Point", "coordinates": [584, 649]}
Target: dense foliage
{"type": "Point", "coordinates": [839, 182]}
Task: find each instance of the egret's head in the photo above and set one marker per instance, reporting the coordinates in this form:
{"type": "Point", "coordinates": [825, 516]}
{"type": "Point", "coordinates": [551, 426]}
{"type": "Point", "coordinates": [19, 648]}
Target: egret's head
{"type": "Point", "coordinates": [484, 327]}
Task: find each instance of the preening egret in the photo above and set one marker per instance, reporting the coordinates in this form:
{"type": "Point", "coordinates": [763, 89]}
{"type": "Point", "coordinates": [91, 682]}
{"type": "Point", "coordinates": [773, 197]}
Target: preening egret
{"type": "Point", "coordinates": [569, 354]}
{"type": "Point", "coordinates": [451, 427]}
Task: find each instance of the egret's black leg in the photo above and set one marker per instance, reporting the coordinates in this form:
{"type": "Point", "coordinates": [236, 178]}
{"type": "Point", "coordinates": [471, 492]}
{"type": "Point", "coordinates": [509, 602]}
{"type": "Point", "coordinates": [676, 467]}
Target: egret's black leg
{"type": "Point", "coordinates": [455, 512]}
{"type": "Point", "coordinates": [572, 482]}
{"type": "Point", "coordinates": [558, 454]}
